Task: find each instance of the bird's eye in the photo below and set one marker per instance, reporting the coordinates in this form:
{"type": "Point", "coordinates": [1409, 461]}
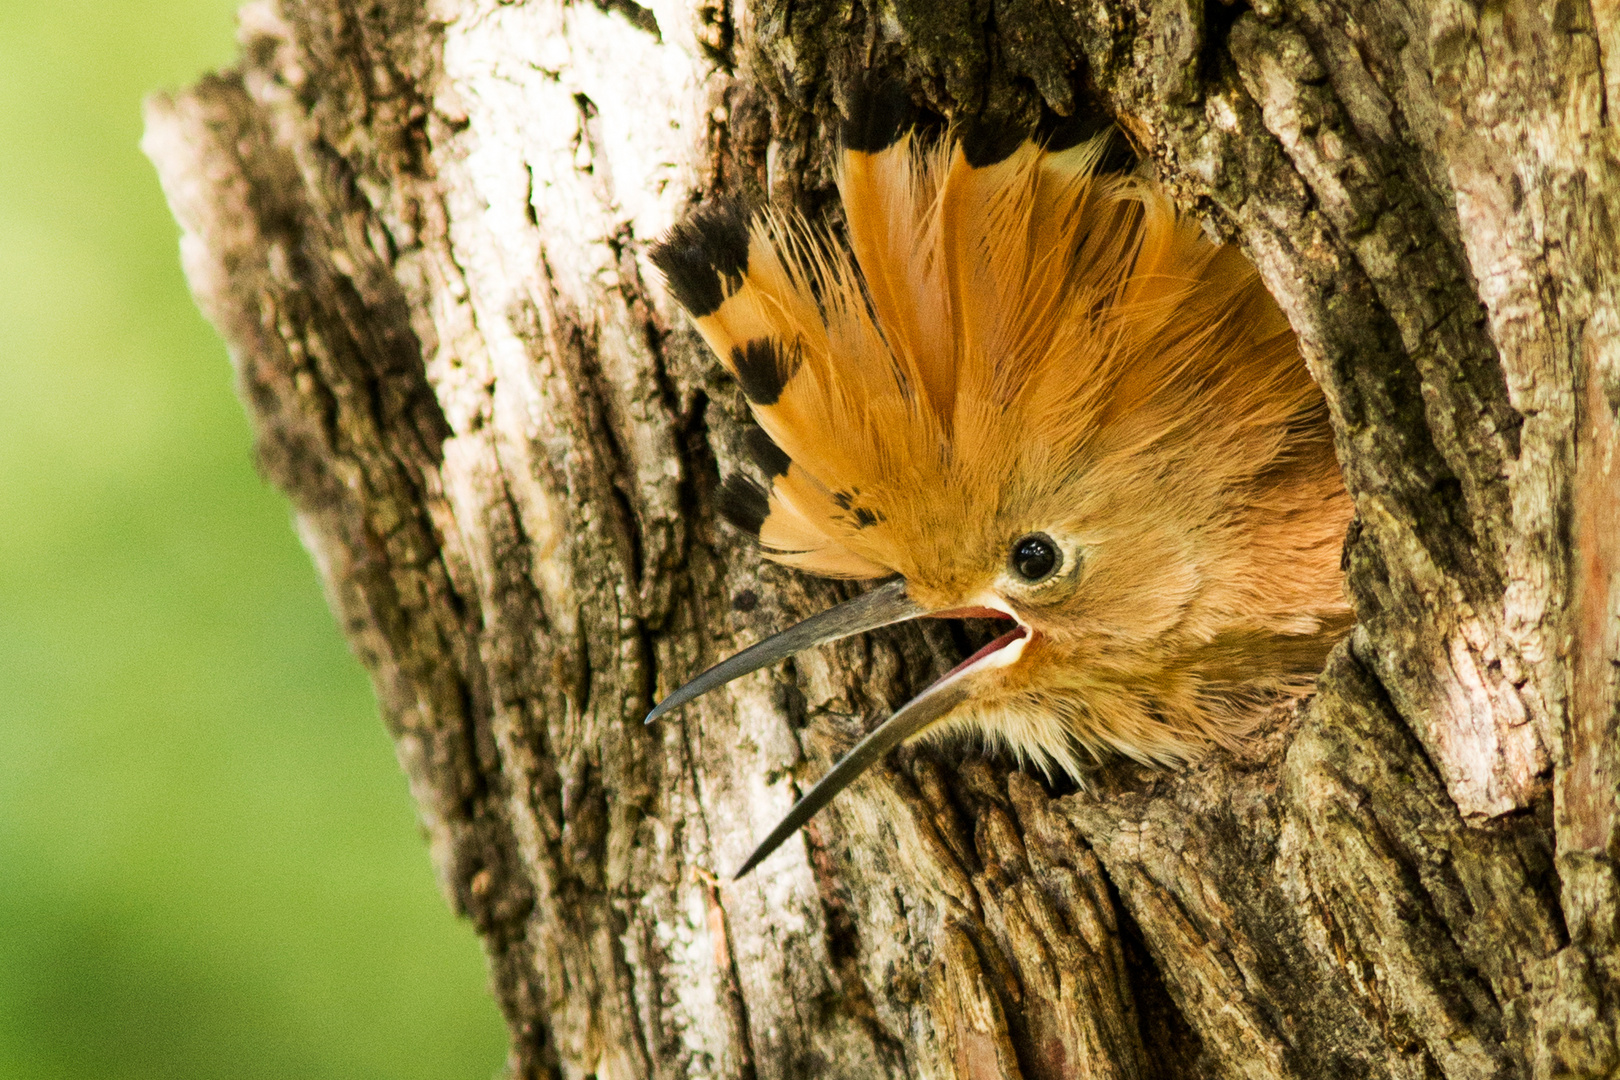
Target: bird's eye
{"type": "Point", "coordinates": [1036, 557]}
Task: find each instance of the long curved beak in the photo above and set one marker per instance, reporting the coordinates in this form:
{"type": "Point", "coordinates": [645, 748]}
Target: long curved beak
{"type": "Point", "coordinates": [912, 719]}
{"type": "Point", "coordinates": [883, 606]}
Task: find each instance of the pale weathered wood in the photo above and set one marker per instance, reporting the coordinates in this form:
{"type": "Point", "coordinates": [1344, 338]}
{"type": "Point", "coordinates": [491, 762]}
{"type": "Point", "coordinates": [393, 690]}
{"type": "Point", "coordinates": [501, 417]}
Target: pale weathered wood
{"type": "Point", "coordinates": [422, 229]}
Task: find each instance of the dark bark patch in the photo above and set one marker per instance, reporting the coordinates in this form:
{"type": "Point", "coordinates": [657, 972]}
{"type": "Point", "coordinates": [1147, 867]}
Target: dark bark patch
{"type": "Point", "coordinates": [633, 13]}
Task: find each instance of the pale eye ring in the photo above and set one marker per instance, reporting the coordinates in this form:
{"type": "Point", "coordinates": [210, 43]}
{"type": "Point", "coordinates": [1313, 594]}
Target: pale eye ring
{"type": "Point", "coordinates": [1035, 557]}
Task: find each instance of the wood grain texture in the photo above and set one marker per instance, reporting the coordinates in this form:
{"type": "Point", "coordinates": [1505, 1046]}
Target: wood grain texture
{"type": "Point", "coordinates": [421, 229]}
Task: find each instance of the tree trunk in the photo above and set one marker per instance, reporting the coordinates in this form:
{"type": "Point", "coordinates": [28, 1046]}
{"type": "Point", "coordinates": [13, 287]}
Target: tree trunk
{"type": "Point", "coordinates": [422, 230]}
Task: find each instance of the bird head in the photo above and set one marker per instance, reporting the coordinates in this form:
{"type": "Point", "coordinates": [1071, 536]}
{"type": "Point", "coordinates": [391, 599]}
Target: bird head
{"type": "Point", "coordinates": [1023, 389]}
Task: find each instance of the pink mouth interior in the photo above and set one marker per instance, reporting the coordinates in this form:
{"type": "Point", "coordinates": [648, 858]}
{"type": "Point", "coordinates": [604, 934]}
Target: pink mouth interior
{"type": "Point", "coordinates": [1000, 643]}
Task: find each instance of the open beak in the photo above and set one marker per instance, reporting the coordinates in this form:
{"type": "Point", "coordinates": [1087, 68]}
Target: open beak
{"type": "Point", "coordinates": [883, 606]}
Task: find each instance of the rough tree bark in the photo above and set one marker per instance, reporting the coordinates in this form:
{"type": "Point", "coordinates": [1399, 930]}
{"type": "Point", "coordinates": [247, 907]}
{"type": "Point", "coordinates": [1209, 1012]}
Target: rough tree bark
{"type": "Point", "coordinates": [421, 228]}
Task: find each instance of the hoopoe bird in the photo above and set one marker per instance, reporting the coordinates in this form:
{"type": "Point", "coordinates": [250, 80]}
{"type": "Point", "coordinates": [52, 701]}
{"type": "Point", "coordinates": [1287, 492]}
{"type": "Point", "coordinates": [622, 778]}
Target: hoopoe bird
{"type": "Point", "coordinates": [1024, 389]}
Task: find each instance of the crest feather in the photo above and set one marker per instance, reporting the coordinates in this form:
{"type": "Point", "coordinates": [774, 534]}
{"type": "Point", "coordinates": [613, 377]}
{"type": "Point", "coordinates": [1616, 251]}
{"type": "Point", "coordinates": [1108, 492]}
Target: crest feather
{"type": "Point", "coordinates": [995, 315]}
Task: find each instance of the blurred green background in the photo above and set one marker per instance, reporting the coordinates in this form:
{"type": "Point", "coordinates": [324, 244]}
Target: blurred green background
{"type": "Point", "coordinates": [209, 864]}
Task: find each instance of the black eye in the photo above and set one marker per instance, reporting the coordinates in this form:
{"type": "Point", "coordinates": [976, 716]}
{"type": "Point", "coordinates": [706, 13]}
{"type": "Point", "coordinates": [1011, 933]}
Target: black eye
{"type": "Point", "coordinates": [1036, 557]}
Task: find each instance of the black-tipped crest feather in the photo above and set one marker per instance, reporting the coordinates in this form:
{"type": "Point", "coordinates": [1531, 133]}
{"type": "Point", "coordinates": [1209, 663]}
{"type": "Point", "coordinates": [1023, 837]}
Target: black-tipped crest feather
{"type": "Point", "coordinates": [988, 140]}
{"type": "Point", "coordinates": [765, 453]}
{"type": "Point", "coordinates": [1059, 133]}
{"type": "Point", "coordinates": [763, 369]}
{"type": "Point", "coordinates": [705, 256]}
{"type": "Point", "coordinates": [877, 116]}
{"type": "Point", "coordinates": [744, 503]}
